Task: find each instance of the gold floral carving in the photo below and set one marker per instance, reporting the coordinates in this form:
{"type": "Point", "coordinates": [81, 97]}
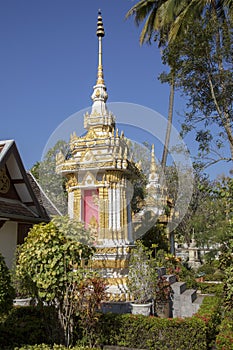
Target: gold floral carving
{"type": "Point", "coordinates": [87, 156]}
{"type": "Point", "coordinates": [113, 176]}
{"type": "Point", "coordinates": [95, 113]}
{"type": "Point", "coordinates": [109, 250]}
{"type": "Point", "coordinates": [90, 135]}
{"type": "Point", "coordinates": [116, 281]}
{"type": "Point", "coordinates": [69, 167]}
{"type": "Point", "coordinates": [77, 199]}
{"type": "Point", "coordinates": [96, 165]}
{"type": "Point", "coordinates": [111, 264]}
{"type": "Point", "coordinates": [89, 178]}
{"type": "Point", "coordinates": [72, 181]}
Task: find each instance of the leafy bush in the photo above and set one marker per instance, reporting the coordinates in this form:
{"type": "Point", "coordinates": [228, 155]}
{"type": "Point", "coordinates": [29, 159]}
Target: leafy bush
{"type": "Point", "coordinates": [155, 333]}
{"type": "Point", "coordinates": [47, 347]}
{"type": "Point", "coordinates": [7, 293]}
{"type": "Point", "coordinates": [187, 275]}
{"type": "Point", "coordinates": [30, 325]}
{"type": "Point", "coordinates": [211, 288]}
{"type": "Point", "coordinates": [210, 313]}
{"type": "Point", "coordinates": [192, 333]}
{"type": "Point", "coordinates": [142, 278]}
{"type": "Point", "coordinates": [226, 264]}
{"type": "Point", "coordinates": [51, 263]}
{"type": "Point", "coordinates": [206, 269]}
{"type": "Point", "coordinates": [224, 339]}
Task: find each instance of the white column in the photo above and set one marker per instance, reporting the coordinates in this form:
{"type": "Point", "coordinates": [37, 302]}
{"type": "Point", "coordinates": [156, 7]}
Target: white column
{"type": "Point", "coordinates": [129, 220]}
{"type": "Point", "coordinates": [71, 204]}
{"type": "Point", "coordinates": [114, 207]}
{"type": "Point", "coordinates": [110, 207]}
{"type": "Point", "coordinates": [118, 208]}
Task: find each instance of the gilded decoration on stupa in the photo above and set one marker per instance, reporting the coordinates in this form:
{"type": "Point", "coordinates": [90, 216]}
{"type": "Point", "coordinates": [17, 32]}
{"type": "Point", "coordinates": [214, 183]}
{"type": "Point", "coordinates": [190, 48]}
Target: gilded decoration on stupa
{"type": "Point", "coordinates": [100, 174]}
{"type": "Point", "coordinates": [98, 161]}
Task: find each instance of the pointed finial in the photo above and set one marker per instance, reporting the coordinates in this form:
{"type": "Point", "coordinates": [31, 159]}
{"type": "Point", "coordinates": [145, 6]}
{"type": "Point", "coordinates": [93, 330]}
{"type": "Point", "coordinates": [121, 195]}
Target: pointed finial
{"type": "Point", "coordinates": [153, 164]}
{"type": "Point", "coordinates": [100, 26]}
{"type": "Point", "coordinates": [100, 34]}
{"type": "Point", "coordinates": [153, 151]}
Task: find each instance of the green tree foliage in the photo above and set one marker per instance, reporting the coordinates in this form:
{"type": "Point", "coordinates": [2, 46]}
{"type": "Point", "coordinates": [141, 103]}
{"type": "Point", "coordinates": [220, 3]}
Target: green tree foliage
{"type": "Point", "coordinates": [53, 265]}
{"type": "Point", "coordinates": [226, 264]}
{"type": "Point", "coordinates": [202, 59]}
{"type": "Point", "coordinates": [208, 213]}
{"type": "Point", "coordinates": [171, 23]}
{"type": "Point", "coordinates": [178, 184]}
{"type": "Point", "coordinates": [7, 292]}
{"type": "Point", "coordinates": [211, 219]}
{"type": "Point", "coordinates": [156, 238]}
{"type": "Point", "coordinates": [52, 183]}
{"type": "Point", "coordinates": [73, 229]}
{"type": "Point", "coordinates": [186, 11]}
{"type": "Point", "coordinates": [140, 155]}
{"type": "Point", "coordinates": [157, 17]}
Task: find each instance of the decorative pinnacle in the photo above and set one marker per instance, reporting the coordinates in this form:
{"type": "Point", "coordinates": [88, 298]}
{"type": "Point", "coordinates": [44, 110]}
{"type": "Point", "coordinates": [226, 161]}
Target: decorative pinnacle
{"type": "Point", "coordinates": [153, 164]}
{"type": "Point", "coordinates": [100, 34]}
{"type": "Point", "coordinates": [100, 27]}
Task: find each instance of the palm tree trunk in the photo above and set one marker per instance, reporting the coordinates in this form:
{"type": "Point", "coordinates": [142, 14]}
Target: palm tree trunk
{"type": "Point", "coordinates": [169, 121]}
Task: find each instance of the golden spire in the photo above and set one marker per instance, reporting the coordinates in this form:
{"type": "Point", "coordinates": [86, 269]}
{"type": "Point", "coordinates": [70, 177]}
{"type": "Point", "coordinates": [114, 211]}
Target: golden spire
{"type": "Point", "coordinates": [153, 167]}
{"type": "Point", "coordinates": [100, 34]}
{"type": "Point", "coordinates": [99, 116]}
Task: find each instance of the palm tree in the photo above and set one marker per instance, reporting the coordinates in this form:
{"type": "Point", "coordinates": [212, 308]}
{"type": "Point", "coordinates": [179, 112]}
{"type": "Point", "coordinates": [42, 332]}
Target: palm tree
{"type": "Point", "coordinates": [158, 16]}
{"type": "Point", "coordinates": [165, 20]}
{"type": "Point", "coordinates": [219, 11]}
{"type": "Point", "coordinates": [194, 9]}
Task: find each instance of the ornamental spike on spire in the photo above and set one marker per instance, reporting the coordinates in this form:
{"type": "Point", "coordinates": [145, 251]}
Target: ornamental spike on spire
{"type": "Point", "coordinates": [100, 117]}
{"type": "Point", "coordinates": [153, 167]}
{"type": "Point", "coordinates": [100, 34]}
{"type": "Point", "coordinates": [100, 95]}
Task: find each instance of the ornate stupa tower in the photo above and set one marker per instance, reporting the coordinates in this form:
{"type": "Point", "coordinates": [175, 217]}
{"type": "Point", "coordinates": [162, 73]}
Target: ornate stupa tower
{"type": "Point", "coordinates": [100, 176]}
{"type": "Point", "coordinates": [156, 198]}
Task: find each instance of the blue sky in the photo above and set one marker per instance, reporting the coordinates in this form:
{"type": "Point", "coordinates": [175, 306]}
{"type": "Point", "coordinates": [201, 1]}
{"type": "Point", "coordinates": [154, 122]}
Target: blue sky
{"type": "Point", "coordinates": [48, 67]}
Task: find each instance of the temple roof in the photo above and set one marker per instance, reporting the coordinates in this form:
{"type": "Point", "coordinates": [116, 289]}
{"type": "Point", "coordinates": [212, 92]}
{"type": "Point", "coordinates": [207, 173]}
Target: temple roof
{"type": "Point", "coordinates": [102, 148]}
{"type": "Point", "coordinates": [100, 118]}
{"type": "Point", "coordinates": [18, 197]}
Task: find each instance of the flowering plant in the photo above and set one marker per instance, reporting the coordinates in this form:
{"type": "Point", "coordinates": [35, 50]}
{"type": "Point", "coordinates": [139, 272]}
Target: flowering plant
{"type": "Point", "coordinates": [142, 274]}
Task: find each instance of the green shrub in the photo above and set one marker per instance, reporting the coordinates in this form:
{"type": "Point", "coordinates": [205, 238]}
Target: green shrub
{"type": "Point", "coordinates": [224, 339]}
{"type": "Point", "coordinates": [137, 331]}
{"type": "Point", "coordinates": [7, 293]}
{"type": "Point", "coordinates": [211, 288]}
{"type": "Point", "coordinates": [48, 347]}
{"type": "Point", "coordinates": [51, 263]}
{"type": "Point", "coordinates": [206, 269]}
{"type": "Point", "coordinates": [29, 325]}
{"type": "Point", "coordinates": [218, 275]}
{"type": "Point", "coordinates": [210, 313]}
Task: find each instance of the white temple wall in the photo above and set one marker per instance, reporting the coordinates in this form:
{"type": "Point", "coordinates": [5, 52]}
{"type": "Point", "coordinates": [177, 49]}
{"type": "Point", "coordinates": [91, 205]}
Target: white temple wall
{"type": "Point", "coordinates": [8, 241]}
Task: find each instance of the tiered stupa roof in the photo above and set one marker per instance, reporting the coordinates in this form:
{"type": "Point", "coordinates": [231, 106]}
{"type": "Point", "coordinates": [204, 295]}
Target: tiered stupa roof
{"type": "Point", "coordinates": [102, 146]}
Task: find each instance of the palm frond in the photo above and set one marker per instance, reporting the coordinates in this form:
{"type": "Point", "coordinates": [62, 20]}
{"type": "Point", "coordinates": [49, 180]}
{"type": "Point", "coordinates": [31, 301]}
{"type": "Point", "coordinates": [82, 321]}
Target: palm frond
{"type": "Point", "coordinates": [193, 10]}
{"type": "Point", "coordinates": [149, 28]}
{"type": "Point", "coordinates": [141, 10]}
